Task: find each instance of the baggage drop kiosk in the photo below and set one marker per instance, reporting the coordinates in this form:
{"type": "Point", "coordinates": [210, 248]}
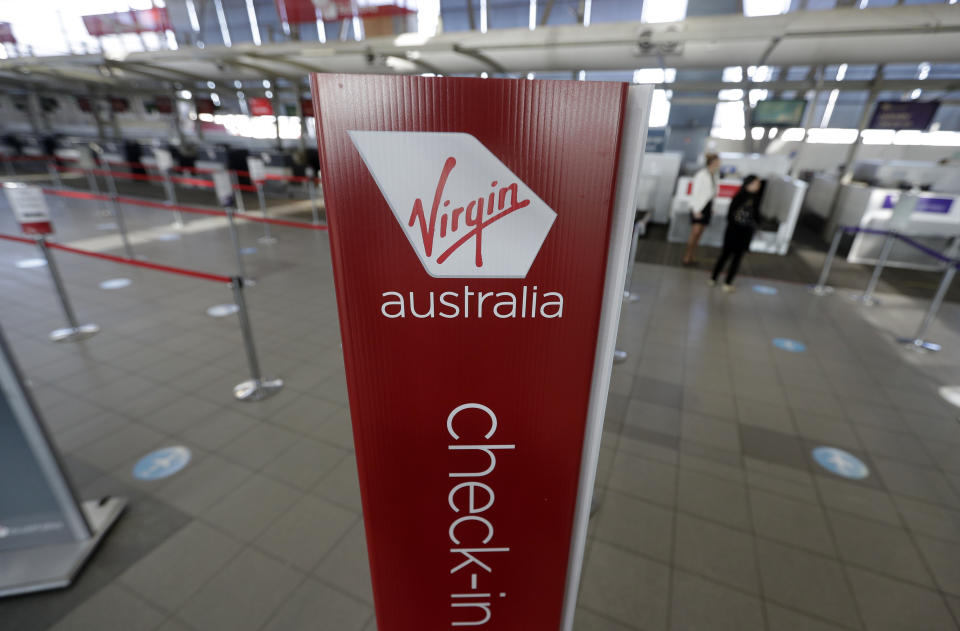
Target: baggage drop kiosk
{"type": "Point", "coordinates": [46, 535]}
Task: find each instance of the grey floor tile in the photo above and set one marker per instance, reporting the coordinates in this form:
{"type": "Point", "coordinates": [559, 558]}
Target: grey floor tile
{"type": "Point", "coordinates": [643, 478]}
{"type": "Point", "coordinates": [917, 482]}
{"type": "Point", "coordinates": [879, 547]}
{"type": "Point", "coordinates": [653, 417]}
{"type": "Point", "coordinates": [107, 452]}
{"type": "Point", "coordinates": [783, 619]}
{"type": "Point", "coordinates": [710, 431]}
{"type": "Point", "coordinates": [930, 519]}
{"type": "Point", "coordinates": [586, 620]}
{"type": "Point", "coordinates": [203, 483]}
{"type": "Point", "coordinates": [775, 447]}
{"type": "Point", "coordinates": [806, 581]}
{"type": "Point", "coordinates": [896, 445]}
{"type": "Point", "coordinates": [790, 521]}
{"type": "Point", "coordinates": [173, 571]}
{"type": "Point", "coordinates": [763, 414]}
{"type": "Point", "coordinates": [890, 605]}
{"type": "Point", "coordinates": [316, 607]}
{"type": "Point", "coordinates": [710, 402]}
{"type": "Point", "coordinates": [217, 429]}
{"type": "Point", "coordinates": [248, 510]}
{"type": "Point", "coordinates": [712, 498]}
{"type": "Point", "coordinates": [258, 446]}
{"type": "Point", "coordinates": [179, 415]}
{"type": "Point", "coordinates": [635, 525]}
{"type": "Point", "coordinates": [112, 609]}
{"type": "Point", "coordinates": [626, 587]}
{"type": "Point", "coordinates": [699, 604]}
{"type": "Point", "coordinates": [943, 558]}
{"type": "Point", "coordinates": [305, 463]}
{"type": "Point", "coordinates": [652, 390]}
{"type": "Point", "coordinates": [304, 534]}
{"type": "Point", "coordinates": [243, 595]}
{"type": "Point", "coordinates": [845, 496]}
{"type": "Point", "coordinates": [826, 430]}
{"type": "Point", "coordinates": [717, 552]}
{"type": "Point", "coordinates": [347, 565]}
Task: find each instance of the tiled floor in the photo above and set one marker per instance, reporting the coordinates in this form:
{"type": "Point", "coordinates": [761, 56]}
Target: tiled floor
{"type": "Point", "coordinates": [713, 515]}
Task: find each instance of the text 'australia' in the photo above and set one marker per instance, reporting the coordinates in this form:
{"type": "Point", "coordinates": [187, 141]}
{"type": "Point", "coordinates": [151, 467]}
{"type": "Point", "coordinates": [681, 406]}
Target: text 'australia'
{"type": "Point", "coordinates": [529, 302]}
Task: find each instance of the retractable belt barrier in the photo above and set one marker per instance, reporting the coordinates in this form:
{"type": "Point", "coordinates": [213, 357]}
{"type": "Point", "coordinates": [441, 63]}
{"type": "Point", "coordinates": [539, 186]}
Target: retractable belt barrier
{"type": "Point", "coordinates": [254, 389]}
{"type": "Point", "coordinates": [918, 341]}
{"type": "Point", "coordinates": [135, 201]}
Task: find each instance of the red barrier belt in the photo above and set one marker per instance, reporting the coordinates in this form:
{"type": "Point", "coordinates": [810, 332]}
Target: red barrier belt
{"type": "Point", "coordinates": [125, 261]}
{"type": "Point", "coordinates": [10, 237]}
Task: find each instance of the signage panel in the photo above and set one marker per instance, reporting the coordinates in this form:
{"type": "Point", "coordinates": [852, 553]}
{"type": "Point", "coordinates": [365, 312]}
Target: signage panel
{"type": "Point", "coordinates": [132, 21]}
{"type": "Point", "coordinates": [29, 207]}
{"type": "Point", "coordinates": [479, 233]}
{"type": "Point", "coordinates": [257, 170]}
{"type": "Point", "coordinates": [778, 113]}
{"type": "Point", "coordinates": [260, 106]}
{"type": "Point", "coordinates": [903, 115]}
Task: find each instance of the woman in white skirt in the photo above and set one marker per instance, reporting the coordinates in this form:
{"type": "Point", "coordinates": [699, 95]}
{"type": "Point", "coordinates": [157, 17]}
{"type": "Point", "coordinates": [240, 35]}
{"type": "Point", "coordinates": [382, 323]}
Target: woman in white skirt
{"type": "Point", "coordinates": [701, 204]}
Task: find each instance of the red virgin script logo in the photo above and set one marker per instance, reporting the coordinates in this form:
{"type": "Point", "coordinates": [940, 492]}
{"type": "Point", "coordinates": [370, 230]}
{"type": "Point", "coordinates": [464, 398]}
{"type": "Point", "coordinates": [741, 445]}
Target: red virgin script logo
{"type": "Point", "coordinates": [483, 221]}
{"type": "Point", "coordinates": [470, 217]}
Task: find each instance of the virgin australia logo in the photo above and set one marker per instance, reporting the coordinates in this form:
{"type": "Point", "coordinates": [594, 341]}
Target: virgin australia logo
{"type": "Point", "coordinates": [463, 211]}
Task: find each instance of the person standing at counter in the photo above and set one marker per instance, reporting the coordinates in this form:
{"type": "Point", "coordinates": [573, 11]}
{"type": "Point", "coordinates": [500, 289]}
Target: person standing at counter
{"type": "Point", "coordinates": [701, 204]}
{"type": "Point", "coordinates": [742, 221]}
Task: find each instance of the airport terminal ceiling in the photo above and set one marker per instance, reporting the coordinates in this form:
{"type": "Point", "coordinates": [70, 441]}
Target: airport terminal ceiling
{"type": "Point", "coordinates": [229, 46]}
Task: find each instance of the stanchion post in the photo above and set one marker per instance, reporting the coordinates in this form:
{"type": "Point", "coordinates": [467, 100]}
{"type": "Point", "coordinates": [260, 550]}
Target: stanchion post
{"type": "Point", "coordinates": [266, 238]}
{"type": "Point", "coordinates": [919, 341]}
{"type": "Point", "coordinates": [821, 288]}
{"type": "Point", "coordinates": [313, 196]}
{"type": "Point", "coordinates": [256, 388]}
{"type": "Point", "coordinates": [172, 200]}
{"type": "Point", "coordinates": [121, 226]}
{"type": "Point", "coordinates": [54, 175]}
{"type": "Point", "coordinates": [235, 182]}
{"type": "Point", "coordinates": [8, 165]}
{"type": "Point", "coordinates": [75, 332]}
{"type": "Point", "coordinates": [235, 238]}
{"type": "Point", "coordinates": [867, 297]}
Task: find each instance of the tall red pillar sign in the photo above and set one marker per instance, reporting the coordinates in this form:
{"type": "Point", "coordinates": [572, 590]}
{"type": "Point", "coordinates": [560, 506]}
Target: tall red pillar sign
{"type": "Point", "coordinates": [479, 230]}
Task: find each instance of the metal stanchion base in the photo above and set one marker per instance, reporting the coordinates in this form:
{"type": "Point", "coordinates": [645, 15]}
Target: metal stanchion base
{"type": "Point", "coordinates": [71, 334]}
{"type": "Point", "coordinates": [619, 356]}
{"type": "Point", "coordinates": [922, 346]}
{"type": "Point", "coordinates": [267, 240]}
{"type": "Point", "coordinates": [817, 290]}
{"type": "Point", "coordinates": [630, 297]}
{"type": "Point", "coordinates": [257, 389]}
{"type": "Point", "coordinates": [866, 301]}
{"type": "Point", "coordinates": [177, 225]}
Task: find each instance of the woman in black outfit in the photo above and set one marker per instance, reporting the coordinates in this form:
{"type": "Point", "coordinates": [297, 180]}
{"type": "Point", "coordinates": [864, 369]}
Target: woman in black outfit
{"type": "Point", "coordinates": [742, 220]}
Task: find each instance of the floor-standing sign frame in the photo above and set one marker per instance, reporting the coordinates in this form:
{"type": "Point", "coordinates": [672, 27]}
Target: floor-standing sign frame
{"type": "Point", "coordinates": [46, 535]}
{"type": "Point", "coordinates": [480, 231]}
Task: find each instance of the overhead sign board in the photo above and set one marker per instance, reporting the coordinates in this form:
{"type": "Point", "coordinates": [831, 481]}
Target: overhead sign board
{"type": "Point", "coordinates": [480, 231]}
{"type": "Point", "coordinates": [898, 115]}
{"type": "Point", "coordinates": [260, 106]}
{"type": "Point", "coordinates": [778, 113]}
{"type": "Point", "coordinates": [29, 207]}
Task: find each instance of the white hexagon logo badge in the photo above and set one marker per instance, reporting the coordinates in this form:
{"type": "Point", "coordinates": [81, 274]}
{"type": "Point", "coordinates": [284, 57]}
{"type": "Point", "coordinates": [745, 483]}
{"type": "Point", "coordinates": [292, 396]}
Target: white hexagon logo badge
{"type": "Point", "coordinates": [463, 211]}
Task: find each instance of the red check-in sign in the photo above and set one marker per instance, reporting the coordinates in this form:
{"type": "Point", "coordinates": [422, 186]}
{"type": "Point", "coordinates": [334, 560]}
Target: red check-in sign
{"type": "Point", "coordinates": [479, 231]}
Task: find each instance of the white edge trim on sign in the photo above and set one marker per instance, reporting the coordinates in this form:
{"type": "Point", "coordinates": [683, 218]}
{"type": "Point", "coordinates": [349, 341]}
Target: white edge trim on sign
{"type": "Point", "coordinates": [634, 135]}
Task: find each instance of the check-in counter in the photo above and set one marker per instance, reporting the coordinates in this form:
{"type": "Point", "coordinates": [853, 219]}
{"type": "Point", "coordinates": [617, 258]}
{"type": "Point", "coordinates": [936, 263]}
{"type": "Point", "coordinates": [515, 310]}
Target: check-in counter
{"type": "Point", "coordinates": [657, 181]}
{"type": "Point", "coordinates": [782, 198]}
{"type": "Point", "coordinates": [935, 222]}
